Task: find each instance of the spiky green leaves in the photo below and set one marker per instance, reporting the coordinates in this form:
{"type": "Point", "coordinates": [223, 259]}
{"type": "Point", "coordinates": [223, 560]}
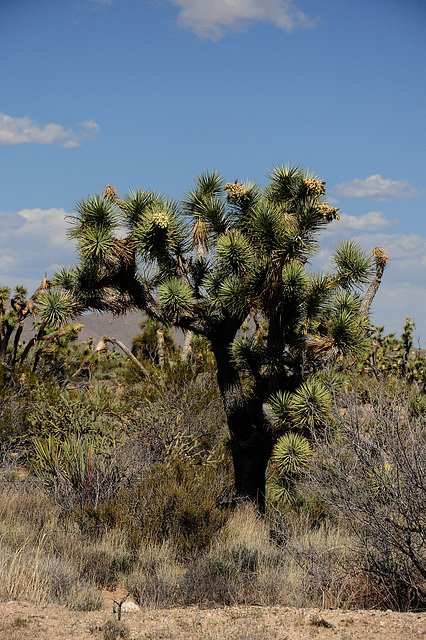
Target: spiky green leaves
{"type": "Point", "coordinates": [232, 294]}
{"type": "Point", "coordinates": [207, 210]}
{"type": "Point", "coordinates": [266, 228]}
{"type": "Point", "coordinates": [318, 294]}
{"type": "Point", "coordinates": [307, 407]}
{"type": "Point", "coordinates": [65, 278]}
{"type": "Point", "coordinates": [208, 184]}
{"type": "Point", "coordinates": [310, 404]}
{"type": "Point", "coordinates": [249, 355]}
{"type": "Point", "coordinates": [291, 453]}
{"type": "Point", "coordinates": [94, 212]}
{"type": "Point", "coordinates": [9, 319]}
{"type": "Point", "coordinates": [234, 253]}
{"type": "Point", "coordinates": [134, 206]}
{"type": "Point", "coordinates": [285, 184]}
{"type": "Point", "coordinates": [175, 297]}
{"type": "Point", "coordinates": [94, 228]}
{"type": "Point", "coordinates": [159, 231]}
{"type": "Point", "coordinates": [354, 266]}
{"type": "Point", "coordinates": [295, 282]}
{"type": "Point", "coordinates": [20, 292]}
{"type": "Point", "coordinates": [280, 404]}
{"type": "Point", "coordinates": [349, 333]}
{"type": "Point", "coordinates": [55, 307]}
{"type": "Point", "coordinates": [4, 294]}
{"type": "Point", "coordinates": [96, 243]}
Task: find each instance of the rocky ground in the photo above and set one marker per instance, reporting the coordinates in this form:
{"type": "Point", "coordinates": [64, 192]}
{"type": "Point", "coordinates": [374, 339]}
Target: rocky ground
{"type": "Point", "coordinates": [27, 621]}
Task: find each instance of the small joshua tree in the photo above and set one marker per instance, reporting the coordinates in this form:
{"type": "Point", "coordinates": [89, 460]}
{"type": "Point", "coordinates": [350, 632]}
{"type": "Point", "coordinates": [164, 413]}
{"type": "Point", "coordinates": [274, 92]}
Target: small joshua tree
{"type": "Point", "coordinates": [50, 310]}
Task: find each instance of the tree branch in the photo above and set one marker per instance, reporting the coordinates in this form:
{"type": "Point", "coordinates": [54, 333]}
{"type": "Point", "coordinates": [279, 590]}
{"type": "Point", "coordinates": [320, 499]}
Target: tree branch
{"type": "Point", "coordinates": [129, 354]}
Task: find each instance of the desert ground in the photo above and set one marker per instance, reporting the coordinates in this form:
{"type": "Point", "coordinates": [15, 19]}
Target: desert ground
{"type": "Point", "coordinates": [21, 620]}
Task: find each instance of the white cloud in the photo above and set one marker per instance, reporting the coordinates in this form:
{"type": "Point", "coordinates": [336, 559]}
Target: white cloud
{"type": "Point", "coordinates": [211, 18]}
{"type": "Point", "coordinates": [377, 188]}
{"type": "Point", "coordinates": [371, 221]}
{"type": "Point", "coordinates": [408, 250]}
{"type": "Point", "coordinates": [395, 302]}
{"type": "Point", "coordinates": [49, 223]}
{"type": "Point", "coordinates": [25, 130]}
{"type": "Point", "coordinates": [33, 241]}
{"type": "Point", "coordinates": [403, 289]}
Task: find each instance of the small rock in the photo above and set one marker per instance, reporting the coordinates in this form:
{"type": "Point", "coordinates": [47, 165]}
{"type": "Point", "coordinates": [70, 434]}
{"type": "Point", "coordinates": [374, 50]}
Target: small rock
{"type": "Point", "coordinates": [129, 607]}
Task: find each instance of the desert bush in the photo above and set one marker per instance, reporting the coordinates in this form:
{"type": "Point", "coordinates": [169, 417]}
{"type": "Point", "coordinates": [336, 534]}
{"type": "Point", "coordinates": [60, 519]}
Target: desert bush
{"type": "Point", "coordinates": [93, 412]}
{"type": "Point", "coordinates": [79, 471]}
{"type": "Point", "coordinates": [115, 629]}
{"type": "Point", "coordinates": [44, 557]}
{"type": "Point", "coordinates": [185, 402]}
{"type": "Point", "coordinates": [14, 406]}
{"type": "Point", "coordinates": [371, 471]}
{"type": "Point", "coordinates": [244, 564]}
{"type": "Point", "coordinates": [33, 572]}
{"type": "Point", "coordinates": [155, 581]}
{"type": "Point", "coordinates": [178, 501]}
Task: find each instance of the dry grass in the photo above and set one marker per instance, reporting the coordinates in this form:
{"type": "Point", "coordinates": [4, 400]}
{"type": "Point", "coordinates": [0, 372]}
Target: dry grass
{"type": "Point", "coordinates": [44, 558]}
{"type": "Point", "coordinates": [245, 566]}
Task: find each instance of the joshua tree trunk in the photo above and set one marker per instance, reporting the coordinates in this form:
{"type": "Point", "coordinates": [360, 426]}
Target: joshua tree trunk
{"type": "Point", "coordinates": [250, 459]}
{"type": "Point", "coordinates": [251, 444]}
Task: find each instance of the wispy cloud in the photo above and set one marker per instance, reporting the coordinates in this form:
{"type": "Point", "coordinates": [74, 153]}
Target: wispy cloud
{"type": "Point", "coordinates": [377, 188]}
{"type": "Point", "coordinates": [210, 19]}
{"type": "Point", "coordinates": [403, 290]}
{"type": "Point", "coordinates": [33, 241]}
{"type": "Point", "coordinates": [26, 131]}
{"type": "Point", "coordinates": [371, 221]}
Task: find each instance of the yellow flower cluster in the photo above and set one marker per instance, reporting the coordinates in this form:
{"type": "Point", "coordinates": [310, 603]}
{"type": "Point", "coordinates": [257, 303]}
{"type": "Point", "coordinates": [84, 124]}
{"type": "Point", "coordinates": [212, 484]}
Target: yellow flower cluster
{"type": "Point", "coordinates": [236, 190]}
{"type": "Point", "coordinates": [110, 193]}
{"type": "Point", "coordinates": [160, 219]}
{"type": "Point", "coordinates": [315, 186]}
{"type": "Point", "coordinates": [329, 213]}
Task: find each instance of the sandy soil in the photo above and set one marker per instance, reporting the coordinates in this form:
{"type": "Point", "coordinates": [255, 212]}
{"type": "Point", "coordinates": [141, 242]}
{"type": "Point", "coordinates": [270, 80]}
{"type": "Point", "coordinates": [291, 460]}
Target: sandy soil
{"type": "Point", "coordinates": [20, 620]}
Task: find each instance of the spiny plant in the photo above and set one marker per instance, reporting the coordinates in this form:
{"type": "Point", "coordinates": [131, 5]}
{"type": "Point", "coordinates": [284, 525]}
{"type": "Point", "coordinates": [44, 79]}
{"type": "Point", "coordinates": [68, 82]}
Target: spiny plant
{"type": "Point", "coordinates": [228, 255]}
{"type": "Point", "coordinates": [51, 310]}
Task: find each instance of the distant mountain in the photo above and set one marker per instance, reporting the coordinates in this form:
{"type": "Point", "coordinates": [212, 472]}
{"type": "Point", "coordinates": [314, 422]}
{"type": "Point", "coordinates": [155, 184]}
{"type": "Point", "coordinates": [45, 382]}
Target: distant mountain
{"type": "Point", "coordinates": [97, 325]}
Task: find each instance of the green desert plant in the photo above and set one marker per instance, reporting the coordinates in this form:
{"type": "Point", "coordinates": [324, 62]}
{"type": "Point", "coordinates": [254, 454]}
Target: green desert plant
{"type": "Point", "coordinates": [231, 252]}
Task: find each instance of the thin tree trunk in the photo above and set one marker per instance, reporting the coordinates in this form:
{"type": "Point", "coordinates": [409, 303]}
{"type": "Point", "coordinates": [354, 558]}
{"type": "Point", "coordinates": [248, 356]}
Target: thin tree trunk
{"type": "Point", "coordinates": [16, 341]}
{"type": "Point", "coordinates": [380, 259]}
{"type": "Point", "coordinates": [4, 343]}
{"type": "Point", "coordinates": [187, 345]}
{"type": "Point", "coordinates": [160, 348]}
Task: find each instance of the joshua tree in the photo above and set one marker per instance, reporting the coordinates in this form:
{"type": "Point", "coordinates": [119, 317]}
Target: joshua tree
{"type": "Point", "coordinates": [231, 253]}
{"type": "Point", "coordinates": [50, 309]}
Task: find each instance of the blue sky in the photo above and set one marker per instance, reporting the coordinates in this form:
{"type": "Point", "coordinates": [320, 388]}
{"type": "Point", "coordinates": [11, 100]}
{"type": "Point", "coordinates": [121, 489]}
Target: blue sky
{"type": "Point", "coordinates": [149, 93]}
